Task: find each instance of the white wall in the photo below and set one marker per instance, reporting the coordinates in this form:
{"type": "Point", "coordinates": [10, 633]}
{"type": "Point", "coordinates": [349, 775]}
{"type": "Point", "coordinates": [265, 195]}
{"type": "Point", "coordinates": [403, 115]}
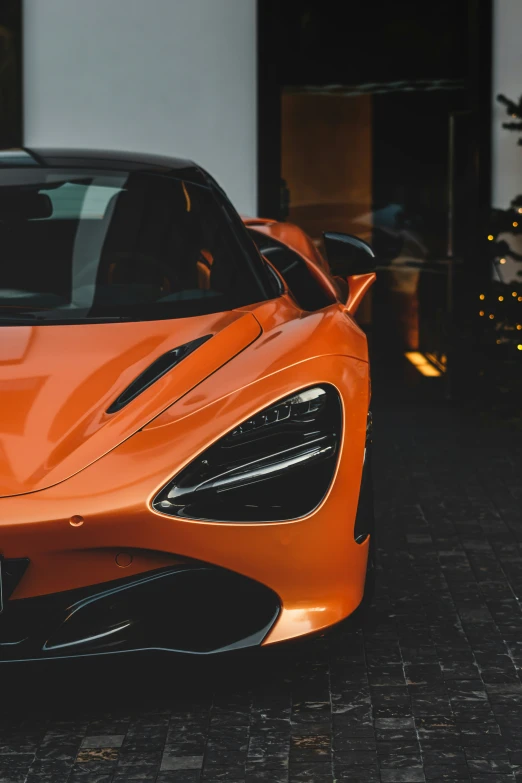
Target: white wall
{"type": "Point", "coordinates": [507, 79]}
{"type": "Point", "coordinates": [175, 77]}
{"type": "Point", "coordinates": [506, 154]}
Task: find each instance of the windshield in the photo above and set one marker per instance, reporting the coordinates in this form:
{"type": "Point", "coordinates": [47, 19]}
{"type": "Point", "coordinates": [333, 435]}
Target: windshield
{"type": "Point", "coordinates": [78, 246]}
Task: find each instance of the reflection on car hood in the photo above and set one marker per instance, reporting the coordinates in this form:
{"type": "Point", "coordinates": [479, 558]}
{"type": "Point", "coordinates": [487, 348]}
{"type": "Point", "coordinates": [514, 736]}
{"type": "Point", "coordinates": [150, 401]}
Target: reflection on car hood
{"type": "Point", "coordinates": [56, 383]}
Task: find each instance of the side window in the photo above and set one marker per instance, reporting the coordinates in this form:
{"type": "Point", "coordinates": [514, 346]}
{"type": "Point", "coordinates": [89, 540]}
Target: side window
{"type": "Point", "coordinates": [266, 280]}
{"type": "Point", "coordinates": [305, 289]}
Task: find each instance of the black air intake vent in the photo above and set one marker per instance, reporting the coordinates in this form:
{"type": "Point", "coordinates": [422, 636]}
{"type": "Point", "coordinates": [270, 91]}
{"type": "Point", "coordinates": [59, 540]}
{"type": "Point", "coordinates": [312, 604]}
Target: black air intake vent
{"type": "Point", "coordinates": [156, 370]}
{"type": "Point", "coordinates": [11, 571]}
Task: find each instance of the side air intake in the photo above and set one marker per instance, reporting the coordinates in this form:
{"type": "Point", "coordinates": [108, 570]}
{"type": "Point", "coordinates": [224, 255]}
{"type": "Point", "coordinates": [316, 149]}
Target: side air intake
{"type": "Point", "coordinates": [154, 372]}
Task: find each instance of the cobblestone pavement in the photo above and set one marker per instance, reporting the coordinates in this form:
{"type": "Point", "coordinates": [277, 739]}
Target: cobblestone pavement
{"type": "Point", "coordinates": [430, 690]}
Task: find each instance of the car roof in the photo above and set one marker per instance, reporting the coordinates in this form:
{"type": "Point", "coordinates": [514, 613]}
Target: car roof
{"type": "Point", "coordinates": [63, 157]}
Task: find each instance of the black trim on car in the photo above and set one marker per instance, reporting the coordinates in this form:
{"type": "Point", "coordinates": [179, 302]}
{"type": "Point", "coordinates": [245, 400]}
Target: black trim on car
{"type": "Point", "coordinates": [154, 372]}
{"type": "Point", "coordinates": [365, 517]}
{"type": "Point", "coordinates": [11, 572]}
{"type": "Point", "coordinates": [193, 608]}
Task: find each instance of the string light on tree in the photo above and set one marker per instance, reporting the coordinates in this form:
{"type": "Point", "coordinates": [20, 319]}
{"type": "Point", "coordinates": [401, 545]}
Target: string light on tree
{"type": "Point", "coordinates": [502, 322]}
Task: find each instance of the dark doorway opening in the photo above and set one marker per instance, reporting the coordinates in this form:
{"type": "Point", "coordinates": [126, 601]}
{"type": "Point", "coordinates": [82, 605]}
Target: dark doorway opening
{"type": "Point", "coordinates": [10, 73]}
{"type": "Point", "coordinates": [378, 125]}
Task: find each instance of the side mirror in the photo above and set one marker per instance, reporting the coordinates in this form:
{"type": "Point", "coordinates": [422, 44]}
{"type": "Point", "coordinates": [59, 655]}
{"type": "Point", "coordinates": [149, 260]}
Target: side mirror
{"type": "Point", "coordinates": [348, 255]}
{"type": "Point", "coordinates": [351, 259]}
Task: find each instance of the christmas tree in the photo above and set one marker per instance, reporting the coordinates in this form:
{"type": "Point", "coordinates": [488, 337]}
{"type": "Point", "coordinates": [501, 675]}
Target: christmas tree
{"type": "Point", "coordinates": [501, 306]}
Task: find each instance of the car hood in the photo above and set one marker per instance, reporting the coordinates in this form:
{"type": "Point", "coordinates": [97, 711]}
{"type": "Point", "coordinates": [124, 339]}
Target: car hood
{"type": "Point", "coordinates": [56, 383]}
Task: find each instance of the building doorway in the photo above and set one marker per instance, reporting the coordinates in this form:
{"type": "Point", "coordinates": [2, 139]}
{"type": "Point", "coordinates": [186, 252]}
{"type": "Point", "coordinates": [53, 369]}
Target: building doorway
{"type": "Point", "coordinates": [355, 136]}
{"type": "Point", "coordinates": [10, 73]}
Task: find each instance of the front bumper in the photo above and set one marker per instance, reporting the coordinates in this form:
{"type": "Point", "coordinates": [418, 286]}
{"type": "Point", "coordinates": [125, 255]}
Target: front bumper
{"type": "Point", "coordinates": [190, 608]}
{"type": "Point", "coordinates": [75, 532]}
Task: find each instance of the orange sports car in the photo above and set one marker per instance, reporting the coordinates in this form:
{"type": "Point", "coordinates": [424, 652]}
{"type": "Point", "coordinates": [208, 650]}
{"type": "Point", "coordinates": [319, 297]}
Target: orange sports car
{"type": "Point", "coordinates": [185, 414]}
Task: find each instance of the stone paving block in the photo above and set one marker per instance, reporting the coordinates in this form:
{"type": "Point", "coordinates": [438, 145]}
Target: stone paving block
{"type": "Point", "coordinates": [103, 741]}
{"type": "Point", "coordinates": [411, 775]}
{"type": "Point", "coordinates": [170, 761]}
{"type": "Point", "coordinates": [179, 776]}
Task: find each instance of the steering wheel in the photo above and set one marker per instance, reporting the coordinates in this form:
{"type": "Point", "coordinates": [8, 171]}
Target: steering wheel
{"type": "Point", "coordinates": [129, 256]}
{"type": "Point", "coordinates": [91, 270]}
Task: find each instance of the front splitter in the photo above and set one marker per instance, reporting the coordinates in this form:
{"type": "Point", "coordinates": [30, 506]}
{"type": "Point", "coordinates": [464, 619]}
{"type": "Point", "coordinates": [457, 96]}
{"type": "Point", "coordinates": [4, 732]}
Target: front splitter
{"type": "Point", "coordinates": [193, 608]}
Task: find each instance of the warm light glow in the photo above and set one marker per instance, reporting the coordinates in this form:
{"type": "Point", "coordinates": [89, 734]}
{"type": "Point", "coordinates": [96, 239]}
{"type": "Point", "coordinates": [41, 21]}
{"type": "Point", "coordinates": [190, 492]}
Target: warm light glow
{"type": "Point", "coordinates": [498, 342]}
{"type": "Point", "coordinates": [490, 237]}
{"type": "Point", "coordinates": [440, 364]}
{"type": "Point", "coordinates": [514, 293]}
{"type": "Point", "coordinates": [502, 260]}
{"type": "Point", "coordinates": [515, 224]}
{"type": "Point", "coordinates": [520, 210]}
{"type": "Point", "coordinates": [481, 312]}
{"type": "Point", "coordinates": [422, 364]}
{"type": "Point", "coordinates": [519, 346]}
{"type": "Point", "coordinates": [491, 316]}
{"type": "Point", "coordinates": [519, 327]}
{"type": "Point", "coordinates": [482, 296]}
{"type": "Point", "coordinates": [519, 299]}
{"type": "Point", "coordinates": [415, 357]}
{"type": "Point", "coordinates": [501, 299]}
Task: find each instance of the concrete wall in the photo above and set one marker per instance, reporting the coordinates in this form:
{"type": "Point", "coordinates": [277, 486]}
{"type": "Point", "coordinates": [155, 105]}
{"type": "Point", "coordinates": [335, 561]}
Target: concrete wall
{"type": "Point", "coordinates": [507, 79]}
{"type": "Point", "coordinates": [165, 76]}
{"type": "Point", "coordinates": [506, 154]}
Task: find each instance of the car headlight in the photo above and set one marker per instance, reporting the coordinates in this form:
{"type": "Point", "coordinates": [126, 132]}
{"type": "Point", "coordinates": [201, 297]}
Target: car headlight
{"type": "Point", "coordinates": [277, 465]}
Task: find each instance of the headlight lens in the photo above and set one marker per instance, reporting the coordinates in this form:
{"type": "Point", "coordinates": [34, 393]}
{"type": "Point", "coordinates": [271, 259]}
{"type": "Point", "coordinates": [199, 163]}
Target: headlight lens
{"type": "Point", "coordinates": [277, 465]}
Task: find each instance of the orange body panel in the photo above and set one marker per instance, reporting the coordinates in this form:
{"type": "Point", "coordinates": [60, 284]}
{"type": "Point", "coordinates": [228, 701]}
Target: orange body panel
{"type": "Point", "coordinates": [57, 383]}
{"type": "Point", "coordinates": [358, 286]}
{"type": "Point", "coordinates": [62, 457]}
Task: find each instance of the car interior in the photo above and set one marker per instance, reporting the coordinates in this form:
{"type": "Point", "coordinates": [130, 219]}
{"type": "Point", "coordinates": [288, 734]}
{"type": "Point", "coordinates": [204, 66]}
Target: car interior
{"type": "Point", "coordinates": [158, 239]}
{"type": "Point", "coordinates": [301, 283]}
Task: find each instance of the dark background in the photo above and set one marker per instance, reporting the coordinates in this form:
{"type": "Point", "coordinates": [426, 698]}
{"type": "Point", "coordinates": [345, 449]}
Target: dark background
{"type": "Point", "coordinates": [10, 73]}
{"type": "Point", "coordinates": [307, 44]}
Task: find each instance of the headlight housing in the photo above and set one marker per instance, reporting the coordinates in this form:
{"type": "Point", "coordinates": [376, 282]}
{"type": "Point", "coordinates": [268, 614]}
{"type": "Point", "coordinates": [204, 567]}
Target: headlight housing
{"type": "Point", "coordinates": [276, 466]}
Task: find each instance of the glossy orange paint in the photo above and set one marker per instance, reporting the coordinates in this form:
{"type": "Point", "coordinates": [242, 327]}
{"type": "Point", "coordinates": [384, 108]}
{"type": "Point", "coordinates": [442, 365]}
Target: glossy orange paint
{"type": "Point", "coordinates": [358, 285]}
{"type": "Point", "coordinates": [63, 457]}
{"type": "Point", "coordinates": [57, 382]}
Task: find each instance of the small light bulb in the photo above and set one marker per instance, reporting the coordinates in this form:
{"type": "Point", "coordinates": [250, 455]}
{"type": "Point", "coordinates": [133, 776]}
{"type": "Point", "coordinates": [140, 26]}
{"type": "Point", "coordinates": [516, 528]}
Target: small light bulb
{"type": "Point", "coordinates": [501, 299]}
{"type": "Point", "coordinates": [491, 316]}
{"type": "Point", "coordinates": [481, 312]}
{"type": "Point", "coordinates": [481, 296]}
{"type": "Point", "coordinates": [514, 293]}
{"type": "Point", "coordinates": [520, 210]}
{"type": "Point", "coordinates": [519, 299]}
{"type": "Point", "coordinates": [491, 237]}
{"type": "Point", "coordinates": [498, 342]}
{"type": "Point", "coordinates": [519, 327]}
{"type": "Point", "coordinates": [515, 224]}
{"type": "Point", "coordinates": [502, 260]}
{"type": "Point", "coordinates": [519, 346]}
